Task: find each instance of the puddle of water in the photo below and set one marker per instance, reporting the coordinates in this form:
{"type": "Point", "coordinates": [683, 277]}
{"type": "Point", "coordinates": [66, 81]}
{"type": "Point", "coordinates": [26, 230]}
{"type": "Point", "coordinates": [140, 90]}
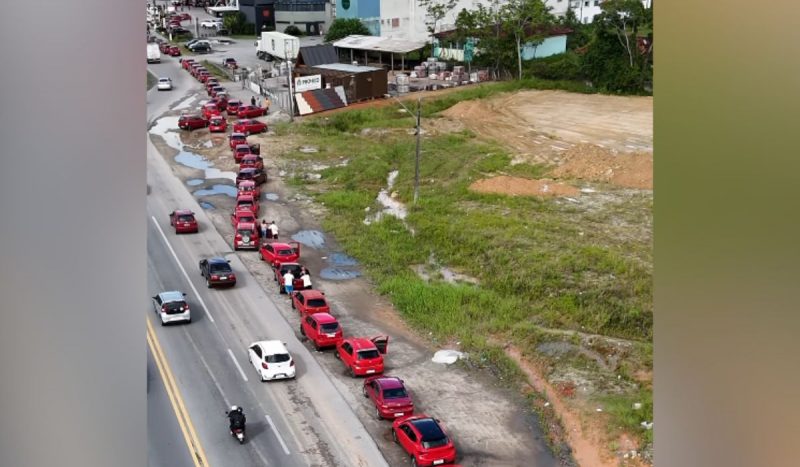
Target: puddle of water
{"type": "Point", "coordinates": [198, 162]}
{"type": "Point", "coordinates": [311, 238]}
{"type": "Point", "coordinates": [217, 190]}
{"type": "Point", "coordinates": [391, 206]}
{"type": "Point", "coordinates": [208, 144]}
{"type": "Point", "coordinates": [338, 274]}
{"type": "Point", "coordinates": [206, 205]}
{"type": "Point", "coordinates": [165, 127]}
{"type": "Point", "coordinates": [341, 259]}
{"type": "Point", "coordinates": [271, 196]}
{"type": "Point", "coordinates": [195, 182]}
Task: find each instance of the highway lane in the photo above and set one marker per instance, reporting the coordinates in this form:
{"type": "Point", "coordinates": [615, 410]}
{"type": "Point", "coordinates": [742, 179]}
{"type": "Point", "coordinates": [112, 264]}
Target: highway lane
{"type": "Point", "coordinates": [308, 418]}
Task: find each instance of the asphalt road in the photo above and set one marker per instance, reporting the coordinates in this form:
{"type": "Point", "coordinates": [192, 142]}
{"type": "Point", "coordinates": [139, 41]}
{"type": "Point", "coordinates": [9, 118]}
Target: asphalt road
{"type": "Point", "coordinates": [301, 422]}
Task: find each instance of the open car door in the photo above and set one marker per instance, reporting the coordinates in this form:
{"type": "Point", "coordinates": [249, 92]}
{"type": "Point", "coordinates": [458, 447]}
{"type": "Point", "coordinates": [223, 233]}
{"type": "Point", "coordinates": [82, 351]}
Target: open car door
{"type": "Point", "coordinates": [382, 343]}
{"type": "Point", "coordinates": [295, 247]}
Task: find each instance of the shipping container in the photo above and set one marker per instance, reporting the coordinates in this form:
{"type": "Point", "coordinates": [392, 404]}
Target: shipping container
{"type": "Point", "coordinates": [359, 82]}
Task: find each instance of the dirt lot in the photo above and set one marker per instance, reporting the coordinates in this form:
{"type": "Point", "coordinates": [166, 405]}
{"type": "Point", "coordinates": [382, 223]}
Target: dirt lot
{"type": "Point", "coordinates": [556, 127]}
{"type": "Point", "coordinates": [486, 420]}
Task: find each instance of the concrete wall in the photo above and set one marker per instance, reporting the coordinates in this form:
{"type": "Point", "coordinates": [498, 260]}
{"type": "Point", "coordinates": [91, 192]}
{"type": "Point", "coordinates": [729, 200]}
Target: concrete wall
{"type": "Point", "coordinates": [368, 11]}
{"type": "Point", "coordinates": [551, 46]}
{"type": "Point", "coordinates": [585, 10]}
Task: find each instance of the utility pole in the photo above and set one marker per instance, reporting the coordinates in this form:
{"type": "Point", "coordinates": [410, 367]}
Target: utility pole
{"type": "Point", "coordinates": [416, 162]}
{"type": "Point", "coordinates": [289, 74]}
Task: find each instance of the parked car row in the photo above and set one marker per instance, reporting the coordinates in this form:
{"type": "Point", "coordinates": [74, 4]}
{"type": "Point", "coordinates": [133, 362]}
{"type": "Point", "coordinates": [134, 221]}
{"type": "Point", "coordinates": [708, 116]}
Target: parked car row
{"type": "Point", "coordinates": [422, 437]}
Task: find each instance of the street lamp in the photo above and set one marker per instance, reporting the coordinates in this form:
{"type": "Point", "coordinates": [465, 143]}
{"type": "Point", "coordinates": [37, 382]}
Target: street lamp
{"type": "Point", "coordinates": [418, 132]}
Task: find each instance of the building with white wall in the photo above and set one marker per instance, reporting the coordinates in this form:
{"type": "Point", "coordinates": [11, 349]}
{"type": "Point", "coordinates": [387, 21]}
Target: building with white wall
{"type": "Point", "coordinates": [585, 10]}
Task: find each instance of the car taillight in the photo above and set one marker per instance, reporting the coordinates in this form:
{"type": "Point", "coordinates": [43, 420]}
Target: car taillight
{"type": "Point", "coordinates": [238, 237]}
{"type": "Point", "coordinates": [214, 277]}
{"type": "Point", "coordinates": [264, 365]}
{"type": "Point", "coordinates": [232, 276]}
{"type": "Point", "coordinates": [164, 309]}
{"type": "Point", "coordinates": [292, 364]}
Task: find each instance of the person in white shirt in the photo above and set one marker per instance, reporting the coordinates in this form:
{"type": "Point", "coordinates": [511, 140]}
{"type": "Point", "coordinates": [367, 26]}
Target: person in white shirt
{"type": "Point", "coordinates": [273, 229]}
{"type": "Point", "coordinates": [306, 279]}
{"type": "Point", "coordinates": [288, 282]}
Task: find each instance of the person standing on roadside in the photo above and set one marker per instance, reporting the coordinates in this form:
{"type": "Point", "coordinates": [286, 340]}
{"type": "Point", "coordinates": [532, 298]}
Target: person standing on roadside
{"type": "Point", "coordinates": [253, 100]}
{"type": "Point", "coordinates": [264, 229]}
{"type": "Point", "coordinates": [273, 230]}
{"type": "Point", "coordinates": [288, 282]}
{"type": "Point", "coordinates": [306, 277]}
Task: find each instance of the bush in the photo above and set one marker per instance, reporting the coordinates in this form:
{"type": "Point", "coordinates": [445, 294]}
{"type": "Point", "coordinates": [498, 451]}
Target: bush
{"type": "Point", "coordinates": [343, 27]}
{"type": "Point", "coordinates": [237, 23]}
{"type": "Point", "coordinates": [293, 30]}
{"type": "Point", "coordinates": [566, 66]}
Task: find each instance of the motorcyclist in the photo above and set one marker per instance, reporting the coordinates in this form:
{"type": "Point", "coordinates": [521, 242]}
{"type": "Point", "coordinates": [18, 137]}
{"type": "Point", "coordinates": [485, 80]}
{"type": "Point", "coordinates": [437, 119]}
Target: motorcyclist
{"type": "Point", "coordinates": [237, 418]}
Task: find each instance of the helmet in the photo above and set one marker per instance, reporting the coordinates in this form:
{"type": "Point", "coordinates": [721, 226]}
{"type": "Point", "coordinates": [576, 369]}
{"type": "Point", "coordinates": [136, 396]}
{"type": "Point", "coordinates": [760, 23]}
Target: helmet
{"type": "Point", "coordinates": [234, 408]}
{"type": "Point", "coordinates": [240, 409]}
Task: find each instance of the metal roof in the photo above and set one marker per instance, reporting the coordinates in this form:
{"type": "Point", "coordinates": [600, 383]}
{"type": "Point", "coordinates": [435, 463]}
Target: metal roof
{"type": "Point", "coordinates": [379, 44]}
{"type": "Point", "coordinates": [317, 55]}
{"type": "Point", "coordinates": [346, 67]}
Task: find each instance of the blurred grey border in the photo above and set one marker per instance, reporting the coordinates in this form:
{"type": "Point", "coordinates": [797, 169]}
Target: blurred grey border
{"type": "Point", "coordinates": [72, 234]}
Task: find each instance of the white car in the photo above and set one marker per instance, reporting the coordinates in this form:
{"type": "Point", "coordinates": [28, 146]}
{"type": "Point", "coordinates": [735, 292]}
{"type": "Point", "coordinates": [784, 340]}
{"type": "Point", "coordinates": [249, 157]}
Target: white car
{"type": "Point", "coordinates": [271, 360]}
{"type": "Point", "coordinates": [211, 23]}
{"type": "Point", "coordinates": [164, 84]}
{"type": "Point", "coordinates": [171, 306]}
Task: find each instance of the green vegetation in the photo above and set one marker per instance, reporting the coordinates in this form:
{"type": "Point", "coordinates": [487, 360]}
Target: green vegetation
{"type": "Point", "coordinates": [215, 70]}
{"type": "Point", "coordinates": [540, 263]}
{"type": "Point", "coordinates": [343, 27]}
{"type": "Point", "coordinates": [293, 30]}
{"type": "Point", "coordinates": [625, 416]}
{"type": "Point", "coordinates": [151, 80]}
{"type": "Point", "coordinates": [236, 23]}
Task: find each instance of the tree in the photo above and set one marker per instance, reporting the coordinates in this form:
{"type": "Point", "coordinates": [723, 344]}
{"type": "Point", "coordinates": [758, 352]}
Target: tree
{"type": "Point", "coordinates": [527, 21]}
{"type": "Point", "coordinates": [293, 30]}
{"type": "Point", "coordinates": [624, 18]}
{"type": "Point", "coordinates": [436, 11]}
{"type": "Point", "coordinates": [343, 27]}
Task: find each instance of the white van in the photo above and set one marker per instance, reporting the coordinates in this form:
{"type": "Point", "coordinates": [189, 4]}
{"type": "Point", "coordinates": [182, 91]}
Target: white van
{"type": "Point", "coordinates": [271, 360]}
{"type": "Point", "coordinates": [153, 53]}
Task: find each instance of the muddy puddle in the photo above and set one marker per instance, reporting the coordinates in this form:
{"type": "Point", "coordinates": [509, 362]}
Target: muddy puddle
{"type": "Point", "coordinates": [310, 238]}
{"type": "Point", "coordinates": [217, 190]}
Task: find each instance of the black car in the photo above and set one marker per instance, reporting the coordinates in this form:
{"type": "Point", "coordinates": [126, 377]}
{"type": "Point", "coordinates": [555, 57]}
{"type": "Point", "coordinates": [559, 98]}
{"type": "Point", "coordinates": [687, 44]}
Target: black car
{"type": "Point", "coordinates": [259, 176]}
{"type": "Point", "coordinates": [217, 271]}
{"type": "Point", "coordinates": [200, 48]}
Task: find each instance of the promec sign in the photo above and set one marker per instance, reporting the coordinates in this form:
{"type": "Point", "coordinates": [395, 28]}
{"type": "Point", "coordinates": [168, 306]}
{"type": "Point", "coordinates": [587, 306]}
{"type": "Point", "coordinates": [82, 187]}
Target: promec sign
{"type": "Point", "coordinates": [307, 83]}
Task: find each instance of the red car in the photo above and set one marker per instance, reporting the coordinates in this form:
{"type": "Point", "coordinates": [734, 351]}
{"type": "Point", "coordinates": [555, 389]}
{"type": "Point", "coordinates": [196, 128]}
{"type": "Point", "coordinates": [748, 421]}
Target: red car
{"type": "Point", "coordinates": [174, 51]}
{"type": "Point", "coordinates": [321, 329]}
{"type": "Point", "coordinates": [256, 175]}
{"type": "Point", "coordinates": [210, 83]}
{"type": "Point", "coordinates": [164, 47]}
{"type": "Point", "coordinates": [236, 139]}
{"type": "Point", "coordinates": [363, 356]}
{"type": "Point", "coordinates": [278, 253]}
{"type": "Point", "coordinates": [249, 111]}
{"type": "Point", "coordinates": [230, 63]}
{"type": "Point", "coordinates": [183, 220]}
{"type": "Point", "coordinates": [217, 271]}
{"type": "Point", "coordinates": [389, 396]}
{"type": "Point", "coordinates": [243, 216]}
{"type": "Point", "coordinates": [246, 236]}
{"type": "Point", "coordinates": [186, 63]}
{"type": "Point", "coordinates": [192, 122]}
{"type": "Point", "coordinates": [424, 439]}
{"type": "Point", "coordinates": [185, 17]}
{"type": "Point", "coordinates": [203, 75]}
{"type": "Point", "coordinates": [247, 201]}
{"type": "Point", "coordinates": [280, 270]}
{"type": "Point", "coordinates": [249, 186]}
{"type": "Point", "coordinates": [209, 110]}
{"type": "Point", "coordinates": [233, 107]}
{"type": "Point", "coordinates": [217, 124]}
{"type": "Point", "coordinates": [309, 302]}
{"type": "Point", "coordinates": [216, 90]}
{"type": "Point", "coordinates": [249, 126]}
{"type": "Point", "coordinates": [251, 161]}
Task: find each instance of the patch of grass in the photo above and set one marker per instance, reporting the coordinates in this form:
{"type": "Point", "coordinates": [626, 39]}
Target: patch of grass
{"type": "Point", "coordinates": [215, 70]}
{"type": "Point", "coordinates": [151, 80]}
{"type": "Point", "coordinates": [622, 415]}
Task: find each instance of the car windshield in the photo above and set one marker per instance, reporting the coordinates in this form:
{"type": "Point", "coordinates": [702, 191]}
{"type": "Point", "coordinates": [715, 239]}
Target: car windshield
{"type": "Point", "coordinates": [330, 327]}
{"type": "Point", "coordinates": [220, 268]}
{"type": "Point", "coordinates": [394, 393]}
{"type": "Point", "coordinates": [185, 218]}
{"type": "Point", "coordinates": [368, 354]}
{"type": "Point", "coordinates": [245, 232]}
{"type": "Point", "coordinates": [285, 252]}
{"type": "Point", "coordinates": [434, 443]}
{"type": "Point", "coordinates": [316, 302]}
{"type": "Point", "coordinates": [247, 219]}
{"type": "Point", "coordinates": [278, 358]}
{"type": "Point", "coordinates": [164, 80]}
{"type": "Point", "coordinates": [243, 204]}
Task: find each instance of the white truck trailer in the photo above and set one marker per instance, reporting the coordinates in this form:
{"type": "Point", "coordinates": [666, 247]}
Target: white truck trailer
{"type": "Point", "coordinates": [277, 45]}
{"type": "Point", "coordinates": [153, 54]}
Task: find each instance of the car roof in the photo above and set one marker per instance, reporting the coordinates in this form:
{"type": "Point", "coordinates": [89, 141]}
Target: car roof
{"type": "Point", "coordinates": [389, 382]}
{"type": "Point", "coordinates": [271, 347]}
{"type": "Point", "coordinates": [171, 296]}
{"type": "Point", "coordinates": [323, 318]}
{"type": "Point", "coordinates": [183, 212]}
{"type": "Point", "coordinates": [311, 294]}
{"type": "Point", "coordinates": [217, 260]}
{"type": "Point", "coordinates": [428, 428]}
{"type": "Point", "coordinates": [361, 343]}
{"type": "Point", "coordinates": [280, 245]}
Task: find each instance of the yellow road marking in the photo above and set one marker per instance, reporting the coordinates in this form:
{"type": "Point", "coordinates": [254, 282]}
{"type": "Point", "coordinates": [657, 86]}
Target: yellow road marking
{"type": "Point", "coordinates": [184, 421]}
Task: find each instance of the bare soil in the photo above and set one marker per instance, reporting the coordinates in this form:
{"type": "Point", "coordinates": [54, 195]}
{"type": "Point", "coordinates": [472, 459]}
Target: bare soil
{"type": "Point", "coordinates": [544, 126]}
{"type": "Point", "coordinates": [516, 186]}
{"type": "Point", "coordinates": [593, 163]}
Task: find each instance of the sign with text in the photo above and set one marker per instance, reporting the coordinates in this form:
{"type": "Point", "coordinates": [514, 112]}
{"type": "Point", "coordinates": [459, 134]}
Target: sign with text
{"type": "Point", "coordinates": [307, 83]}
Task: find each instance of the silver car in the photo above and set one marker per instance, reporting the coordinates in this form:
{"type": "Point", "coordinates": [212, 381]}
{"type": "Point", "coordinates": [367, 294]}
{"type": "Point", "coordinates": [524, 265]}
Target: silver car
{"type": "Point", "coordinates": [164, 84]}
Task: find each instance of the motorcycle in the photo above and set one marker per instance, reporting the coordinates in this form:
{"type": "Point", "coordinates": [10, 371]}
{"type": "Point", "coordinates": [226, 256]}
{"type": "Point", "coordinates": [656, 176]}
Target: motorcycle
{"type": "Point", "coordinates": [238, 433]}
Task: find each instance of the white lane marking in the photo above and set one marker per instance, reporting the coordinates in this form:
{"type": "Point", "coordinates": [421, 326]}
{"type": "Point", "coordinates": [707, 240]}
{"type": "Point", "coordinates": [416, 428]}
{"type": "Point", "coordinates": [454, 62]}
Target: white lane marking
{"type": "Point", "coordinates": [235, 362]}
{"type": "Point", "coordinates": [278, 435]}
{"type": "Point", "coordinates": [196, 293]}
